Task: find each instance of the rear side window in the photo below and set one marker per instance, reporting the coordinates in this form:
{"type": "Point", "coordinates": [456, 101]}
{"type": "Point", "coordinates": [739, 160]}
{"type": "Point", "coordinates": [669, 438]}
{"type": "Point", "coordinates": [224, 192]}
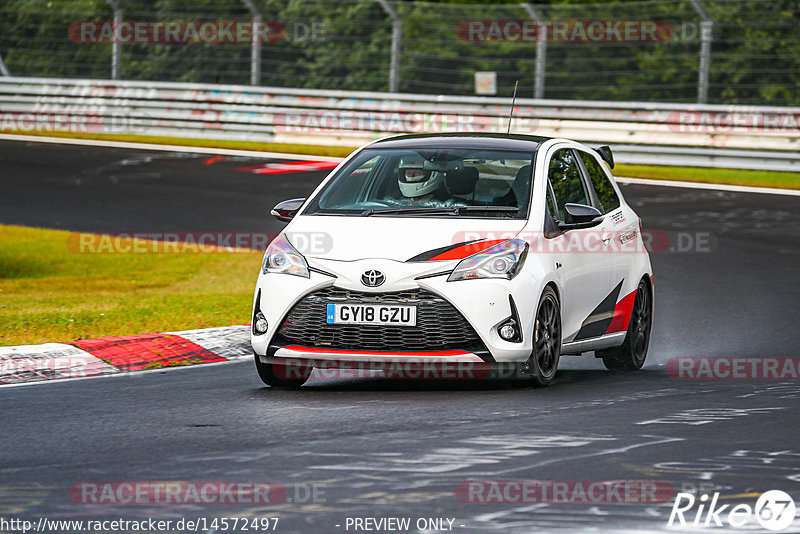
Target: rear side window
{"type": "Point", "coordinates": [565, 178]}
{"type": "Point", "coordinates": [602, 185]}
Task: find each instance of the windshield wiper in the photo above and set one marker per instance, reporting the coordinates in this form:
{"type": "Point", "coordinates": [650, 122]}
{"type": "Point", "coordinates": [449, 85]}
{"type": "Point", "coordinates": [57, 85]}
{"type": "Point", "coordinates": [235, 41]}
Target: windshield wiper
{"type": "Point", "coordinates": [454, 210]}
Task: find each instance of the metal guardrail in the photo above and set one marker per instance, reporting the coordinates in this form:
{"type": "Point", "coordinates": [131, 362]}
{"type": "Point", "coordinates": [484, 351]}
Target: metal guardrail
{"type": "Point", "coordinates": [746, 137]}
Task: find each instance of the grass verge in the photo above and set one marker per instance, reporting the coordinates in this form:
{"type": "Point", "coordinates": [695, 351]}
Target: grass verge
{"type": "Point", "coordinates": [52, 292]}
{"type": "Point", "coordinates": [785, 180]}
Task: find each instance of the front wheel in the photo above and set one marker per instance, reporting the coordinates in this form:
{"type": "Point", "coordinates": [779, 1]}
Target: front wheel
{"type": "Point", "coordinates": [281, 376]}
{"type": "Point", "coordinates": [631, 354]}
{"type": "Point", "coordinates": [542, 365]}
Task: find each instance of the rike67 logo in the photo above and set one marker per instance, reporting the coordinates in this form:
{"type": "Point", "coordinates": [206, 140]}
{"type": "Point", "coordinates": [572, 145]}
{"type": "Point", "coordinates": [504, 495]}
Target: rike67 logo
{"type": "Point", "coordinates": [774, 511]}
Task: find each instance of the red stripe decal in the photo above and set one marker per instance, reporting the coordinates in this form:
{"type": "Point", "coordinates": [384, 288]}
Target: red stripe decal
{"type": "Point", "coordinates": [289, 166]}
{"type": "Point", "coordinates": [622, 314]}
{"type": "Point", "coordinates": [467, 250]}
{"type": "Point", "coordinates": [213, 160]}
{"type": "Point", "coordinates": [135, 353]}
{"type": "Point", "coordinates": [318, 350]}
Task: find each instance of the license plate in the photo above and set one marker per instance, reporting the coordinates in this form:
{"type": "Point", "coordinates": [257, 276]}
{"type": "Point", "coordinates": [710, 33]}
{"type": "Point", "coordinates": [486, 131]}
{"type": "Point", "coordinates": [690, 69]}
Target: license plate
{"type": "Point", "coordinates": [379, 314]}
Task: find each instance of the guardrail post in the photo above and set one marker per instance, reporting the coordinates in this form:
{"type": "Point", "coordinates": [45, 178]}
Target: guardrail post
{"type": "Point", "coordinates": [255, 44]}
{"type": "Point", "coordinates": [397, 36]}
{"type": "Point", "coordinates": [3, 68]}
{"type": "Point", "coordinates": [704, 67]}
{"type": "Point", "coordinates": [116, 44]}
{"type": "Point", "coordinates": [541, 52]}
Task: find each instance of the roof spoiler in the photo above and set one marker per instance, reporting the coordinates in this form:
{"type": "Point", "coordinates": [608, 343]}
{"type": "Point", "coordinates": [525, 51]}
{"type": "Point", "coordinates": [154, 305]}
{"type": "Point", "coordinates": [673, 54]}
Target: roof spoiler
{"type": "Point", "coordinates": [605, 153]}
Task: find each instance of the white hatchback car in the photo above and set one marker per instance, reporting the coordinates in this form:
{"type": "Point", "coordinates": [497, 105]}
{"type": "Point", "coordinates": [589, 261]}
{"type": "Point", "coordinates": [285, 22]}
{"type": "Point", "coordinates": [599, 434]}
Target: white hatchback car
{"type": "Point", "coordinates": [504, 251]}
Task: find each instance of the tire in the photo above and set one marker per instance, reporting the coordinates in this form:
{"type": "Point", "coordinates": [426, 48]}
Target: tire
{"type": "Point", "coordinates": [542, 365]}
{"type": "Point", "coordinates": [631, 355]}
{"type": "Point", "coordinates": [266, 371]}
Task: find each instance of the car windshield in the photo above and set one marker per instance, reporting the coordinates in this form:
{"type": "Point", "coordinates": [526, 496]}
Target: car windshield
{"type": "Point", "coordinates": [429, 182]}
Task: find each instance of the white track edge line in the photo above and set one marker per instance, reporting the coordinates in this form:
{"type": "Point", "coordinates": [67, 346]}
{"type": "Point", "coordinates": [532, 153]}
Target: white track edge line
{"type": "Point", "coordinates": [166, 148]}
{"type": "Point", "coordinates": [715, 187]}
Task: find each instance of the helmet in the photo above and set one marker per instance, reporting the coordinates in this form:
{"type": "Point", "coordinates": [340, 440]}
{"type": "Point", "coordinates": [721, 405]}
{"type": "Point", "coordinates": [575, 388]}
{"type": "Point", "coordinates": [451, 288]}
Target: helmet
{"type": "Point", "coordinates": [414, 180]}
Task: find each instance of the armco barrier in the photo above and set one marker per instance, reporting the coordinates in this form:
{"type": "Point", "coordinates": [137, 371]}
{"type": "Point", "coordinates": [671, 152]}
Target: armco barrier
{"type": "Point", "coordinates": [668, 134]}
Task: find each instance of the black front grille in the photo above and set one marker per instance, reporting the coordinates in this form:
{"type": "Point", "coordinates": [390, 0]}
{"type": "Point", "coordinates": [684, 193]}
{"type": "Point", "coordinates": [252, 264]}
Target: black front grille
{"type": "Point", "coordinates": [439, 324]}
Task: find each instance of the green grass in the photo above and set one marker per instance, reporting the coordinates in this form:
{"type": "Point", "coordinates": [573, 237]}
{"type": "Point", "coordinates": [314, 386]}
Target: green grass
{"type": "Point", "coordinates": [786, 180]}
{"type": "Point", "coordinates": [51, 291]}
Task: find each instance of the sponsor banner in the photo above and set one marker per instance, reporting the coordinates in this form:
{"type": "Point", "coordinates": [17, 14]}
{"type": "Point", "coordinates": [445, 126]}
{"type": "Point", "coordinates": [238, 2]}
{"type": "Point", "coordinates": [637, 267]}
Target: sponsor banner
{"type": "Point", "coordinates": [564, 492]}
{"type": "Point", "coordinates": [733, 368]}
{"type": "Point", "coordinates": [565, 31]}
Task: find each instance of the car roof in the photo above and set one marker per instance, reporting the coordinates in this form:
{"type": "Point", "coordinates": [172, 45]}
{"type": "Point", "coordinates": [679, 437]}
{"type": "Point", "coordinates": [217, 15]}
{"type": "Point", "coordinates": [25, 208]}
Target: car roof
{"type": "Point", "coordinates": [498, 141]}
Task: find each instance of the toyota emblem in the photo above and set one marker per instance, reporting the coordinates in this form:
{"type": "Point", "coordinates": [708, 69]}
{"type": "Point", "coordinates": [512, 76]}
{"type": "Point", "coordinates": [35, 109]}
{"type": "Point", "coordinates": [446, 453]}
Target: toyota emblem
{"type": "Point", "coordinates": [373, 278]}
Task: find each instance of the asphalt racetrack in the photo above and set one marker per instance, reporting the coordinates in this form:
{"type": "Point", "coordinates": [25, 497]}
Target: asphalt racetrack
{"type": "Point", "coordinates": [726, 286]}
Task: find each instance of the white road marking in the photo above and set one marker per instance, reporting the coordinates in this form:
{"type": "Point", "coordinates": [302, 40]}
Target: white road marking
{"type": "Point", "coordinates": [166, 148]}
{"type": "Point", "coordinates": [716, 187]}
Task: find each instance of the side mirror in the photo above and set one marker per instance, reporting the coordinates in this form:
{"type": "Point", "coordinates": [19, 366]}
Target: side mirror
{"type": "Point", "coordinates": [580, 216]}
{"type": "Point", "coordinates": [287, 209]}
{"type": "Point", "coordinates": [606, 155]}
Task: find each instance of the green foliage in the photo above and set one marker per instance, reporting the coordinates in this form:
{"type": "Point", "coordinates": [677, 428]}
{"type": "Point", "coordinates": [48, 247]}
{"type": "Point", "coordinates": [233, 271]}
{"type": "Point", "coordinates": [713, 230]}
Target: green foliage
{"type": "Point", "coordinates": [755, 55]}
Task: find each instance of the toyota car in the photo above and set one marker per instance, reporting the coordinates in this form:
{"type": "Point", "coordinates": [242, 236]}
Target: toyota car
{"type": "Point", "coordinates": [462, 250]}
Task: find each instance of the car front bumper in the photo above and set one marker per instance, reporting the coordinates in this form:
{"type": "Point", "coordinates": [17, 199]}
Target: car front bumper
{"type": "Point", "coordinates": [482, 305]}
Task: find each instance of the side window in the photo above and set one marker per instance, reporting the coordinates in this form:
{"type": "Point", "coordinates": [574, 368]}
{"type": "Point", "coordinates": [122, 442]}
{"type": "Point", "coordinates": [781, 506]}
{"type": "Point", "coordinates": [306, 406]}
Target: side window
{"type": "Point", "coordinates": [565, 178]}
{"type": "Point", "coordinates": [602, 185]}
{"type": "Point", "coordinates": [350, 185]}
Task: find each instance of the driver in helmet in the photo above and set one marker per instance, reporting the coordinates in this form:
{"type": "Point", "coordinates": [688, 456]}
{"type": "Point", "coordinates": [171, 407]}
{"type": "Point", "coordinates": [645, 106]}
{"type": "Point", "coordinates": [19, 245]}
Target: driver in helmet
{"type": "Point", "coordinates": [419, 185]}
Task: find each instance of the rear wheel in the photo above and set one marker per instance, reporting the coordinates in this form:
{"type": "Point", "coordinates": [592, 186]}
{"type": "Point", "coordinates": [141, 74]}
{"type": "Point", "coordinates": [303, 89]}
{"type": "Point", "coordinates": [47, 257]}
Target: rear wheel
{"type": "Point", "coordinates": [275, 375]}
{"type": "Point", "coordinates": [631, 355]}
{"type": "Point", "coordinates": [542, 365]}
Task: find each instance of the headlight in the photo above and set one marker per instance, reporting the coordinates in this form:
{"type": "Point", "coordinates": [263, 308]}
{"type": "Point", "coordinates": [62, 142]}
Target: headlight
{"type": "Point", "coordinates": [500, 261]}
{"type": "Point", "coordinates": [281, 257]}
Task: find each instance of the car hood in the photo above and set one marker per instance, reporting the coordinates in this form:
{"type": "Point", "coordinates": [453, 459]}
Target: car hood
{"type": "Point", "coordinates": [397, 238]}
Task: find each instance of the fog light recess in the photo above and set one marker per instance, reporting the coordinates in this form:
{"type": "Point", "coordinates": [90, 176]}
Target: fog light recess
{"type": "Point", "coordinates": [509, 331]}
{"type": "Point", "coordinates": [260, 324]}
